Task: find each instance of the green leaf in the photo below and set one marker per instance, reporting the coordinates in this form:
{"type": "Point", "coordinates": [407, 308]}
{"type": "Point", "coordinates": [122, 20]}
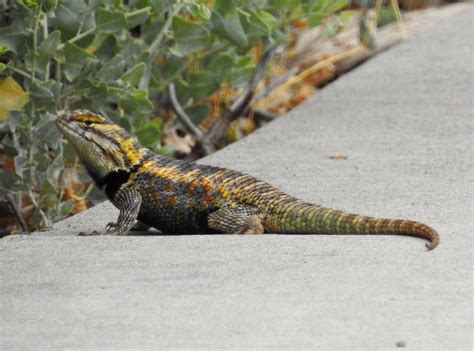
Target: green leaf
{"type": "Point", "coordinates": [48, 194]}
{"type": "Point", "coordinates": [198, 112]}
{"type": "Point", "coordinates": [55, 167]}
{"type": "Point", "coordinates": [50, 5]}
{"type": "Point", "coordinates": [201, 84]}
{"type": "Point", "coordinates": [40, 176]}
{"type": "Point", "coordinates": [200, 11]}
{"type": "Point", "coordinates": [111, 70]}
{"type": "Point", "coordinates": [331, 29]}
{"type": "Point", "coordinates": [172, 66]}
{"type": "Point", "coordinates": [75, 59]}
{"type": "Point", "coordinates": [3, 49]}
{"type": "Point", "coordinates": [220, 65]}
{"type": "Point", "coordinates": [109, 21]}
{"type": "Point", "coordinates": [134, 74]}
{"type": "Point", "coordinates": [30, 3]}
{"type": "Point", "coordinates": [165, 150]}
{"type": "Point", "coordinates": [387, 15]}
{"type": "Point", "coordinates": [226, 23]}
{"type": "Point", "coordinates": [106, 48]}
{"type": "Point", "coordinates": [46, 50]}
{"type": "Point", "coordinates": [42, 163]}
{"type": "Point", "coordinates": [49, 46]}
{"type": "Point", "coordinates": [69, 154]}
{"type": "Point", "coordinates": [263, 20]}
{"type": "Point", "coordinates": [42, 90]}
{"type": "Point", "coordinates": [239, 76]}
{"type": "Point", "coordinates": [7, 180]}
{"type": "Point", "coordinates": [69, 15]}
{"type": "Point", "coordinates": [16, 118]}
{"type": "Point", "coordinates": [46, 133]}
{"type": "Point", "coordinates": [48, 188]}
{"type": "Point", "coordinates": [155, 123]}
{"type": "Point", "coordinates": [137, 102]}
{"type": "Point", "coordinates": [151, 133]}
{"type": "Point", "coordinates": [284, 5]}
{"type": "Point", "coordinates": [339, 4]}
{"type": "Point", "coordinates": [137, 17]}
{"type": "Point", "coordinates": [347, 15]}
{"type": "Point", "coordinates": [10, 146]}
{"type": "Point", "coordinates": [20, 164]}
{"type": "Point", "coordinates": [189, 37]}
{"type": "Point", "coordinates": [321, 9]}
{"type": "Point", "coordinates": [16, 36]}
{"type": "Point", "coordinates": [97, 42]}
{"type": "Point", "coordinates": [65, 208]}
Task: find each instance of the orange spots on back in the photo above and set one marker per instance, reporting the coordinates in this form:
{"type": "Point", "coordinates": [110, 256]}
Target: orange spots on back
{"type": "Point", "coordinates": [157, 171]}
{"type": "Point", "coordinates": [171, 201]}
{"type": "Point", "coordinates": [207, 185]}
{"type": "Point", "coordinates": [192, 185]}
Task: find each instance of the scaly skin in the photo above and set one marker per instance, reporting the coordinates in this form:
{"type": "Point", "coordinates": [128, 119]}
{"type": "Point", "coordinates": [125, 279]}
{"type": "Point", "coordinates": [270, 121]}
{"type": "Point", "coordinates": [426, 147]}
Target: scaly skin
{"type": "Point", "coordinates": [175, 196]}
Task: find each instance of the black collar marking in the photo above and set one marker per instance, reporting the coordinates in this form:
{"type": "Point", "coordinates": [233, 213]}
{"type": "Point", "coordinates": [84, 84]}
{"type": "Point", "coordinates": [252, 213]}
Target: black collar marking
{"type": "Point", "coordinates": [114, 180]}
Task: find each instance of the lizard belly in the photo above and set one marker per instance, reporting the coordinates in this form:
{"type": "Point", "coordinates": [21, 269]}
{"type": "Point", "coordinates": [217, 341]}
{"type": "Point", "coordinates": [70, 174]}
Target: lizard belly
{"type": "Point", "coordinates": [170, 212]}
{"type": "Point", "coordinates": [173, 220]}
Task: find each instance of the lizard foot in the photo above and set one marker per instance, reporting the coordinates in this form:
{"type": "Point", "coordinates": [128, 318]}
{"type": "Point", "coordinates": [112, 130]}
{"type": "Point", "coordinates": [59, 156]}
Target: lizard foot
{"type": "Point", "coordinates": [237, 220]}
{"type": "Point", "coordinates": [254, 226]}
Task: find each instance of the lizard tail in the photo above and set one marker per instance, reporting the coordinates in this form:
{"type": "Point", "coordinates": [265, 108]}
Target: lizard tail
{"type": "Point", "coordinates": [304, 218]}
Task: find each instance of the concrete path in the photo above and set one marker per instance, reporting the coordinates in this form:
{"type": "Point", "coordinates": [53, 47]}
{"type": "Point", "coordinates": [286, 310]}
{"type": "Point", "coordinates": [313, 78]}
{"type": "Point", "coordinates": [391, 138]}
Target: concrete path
{"type": "Point", "coordinates": [405, 119]}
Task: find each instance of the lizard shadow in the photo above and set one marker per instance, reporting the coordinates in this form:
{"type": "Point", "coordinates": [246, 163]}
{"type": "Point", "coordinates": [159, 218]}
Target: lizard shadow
{"type": "Point", "coordinates": [158, 233]}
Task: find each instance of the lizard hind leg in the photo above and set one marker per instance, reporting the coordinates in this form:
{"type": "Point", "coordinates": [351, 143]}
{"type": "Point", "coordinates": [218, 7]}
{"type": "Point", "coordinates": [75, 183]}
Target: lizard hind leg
{"type": "Point", "coordinates": [236, 220]}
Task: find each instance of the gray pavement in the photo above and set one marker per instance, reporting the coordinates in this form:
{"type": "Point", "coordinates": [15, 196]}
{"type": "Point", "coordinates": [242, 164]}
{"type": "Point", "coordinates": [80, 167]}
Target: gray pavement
{"type": "Point", "coordinates": [405, 119]}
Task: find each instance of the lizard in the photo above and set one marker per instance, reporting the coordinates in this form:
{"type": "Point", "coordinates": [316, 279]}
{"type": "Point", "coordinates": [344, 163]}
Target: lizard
{"type": "Point", "coordinates": [177, 196]}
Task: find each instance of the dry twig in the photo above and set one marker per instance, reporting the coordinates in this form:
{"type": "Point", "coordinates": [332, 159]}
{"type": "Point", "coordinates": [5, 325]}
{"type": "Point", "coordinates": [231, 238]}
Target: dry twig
{"type": "Point", "coordinates": [208, 141]}
{"type": "Point", "coordinates": [182, 115]}
{"type": "Point", "coordinates": [242, 103]}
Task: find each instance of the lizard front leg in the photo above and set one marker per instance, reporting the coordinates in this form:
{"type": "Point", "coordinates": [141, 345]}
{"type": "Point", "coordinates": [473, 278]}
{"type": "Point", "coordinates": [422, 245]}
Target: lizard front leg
{"type": "Point", "coordinates": [128, 200]}
{"type": "Point", "coordinates": [236, 220]}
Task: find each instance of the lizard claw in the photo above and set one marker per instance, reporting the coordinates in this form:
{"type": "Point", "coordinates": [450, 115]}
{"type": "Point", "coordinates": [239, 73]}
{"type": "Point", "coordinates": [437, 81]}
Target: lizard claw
{"type": "Point", "coordinates": [110, 227]}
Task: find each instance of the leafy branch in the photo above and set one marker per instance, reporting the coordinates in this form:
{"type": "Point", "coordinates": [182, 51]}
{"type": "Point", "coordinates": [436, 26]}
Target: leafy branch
{"type": "Point", "coordinates": [121, 59]}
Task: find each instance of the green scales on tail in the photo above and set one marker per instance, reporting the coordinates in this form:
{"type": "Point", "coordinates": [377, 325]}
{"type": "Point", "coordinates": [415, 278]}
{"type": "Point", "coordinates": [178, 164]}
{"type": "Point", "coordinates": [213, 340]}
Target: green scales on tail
{"type": "Point", "coordinates": [175, 196]}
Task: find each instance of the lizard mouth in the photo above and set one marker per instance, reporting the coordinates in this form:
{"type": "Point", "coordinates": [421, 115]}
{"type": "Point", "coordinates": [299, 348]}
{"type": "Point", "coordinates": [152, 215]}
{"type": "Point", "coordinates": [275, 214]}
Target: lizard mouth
{"type": "Point", "coordinates": [65, 127]}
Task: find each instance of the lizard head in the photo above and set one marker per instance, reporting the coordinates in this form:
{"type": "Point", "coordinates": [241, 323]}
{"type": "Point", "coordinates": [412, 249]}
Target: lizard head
{"type": "Point", "coordinates": [102, 146]}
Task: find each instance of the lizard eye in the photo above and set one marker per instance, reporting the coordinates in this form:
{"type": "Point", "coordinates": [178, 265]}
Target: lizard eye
{"type": "Point", "coordinates": [88, 123]}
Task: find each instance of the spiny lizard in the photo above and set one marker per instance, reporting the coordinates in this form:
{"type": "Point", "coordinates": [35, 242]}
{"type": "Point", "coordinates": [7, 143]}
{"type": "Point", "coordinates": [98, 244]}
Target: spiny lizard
{"type": "Point", "coordinates": [175, 196]}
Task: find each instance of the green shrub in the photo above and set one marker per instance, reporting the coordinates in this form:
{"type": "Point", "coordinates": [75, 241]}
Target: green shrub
{"type": "Point", "coordinates": [111, 56]}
